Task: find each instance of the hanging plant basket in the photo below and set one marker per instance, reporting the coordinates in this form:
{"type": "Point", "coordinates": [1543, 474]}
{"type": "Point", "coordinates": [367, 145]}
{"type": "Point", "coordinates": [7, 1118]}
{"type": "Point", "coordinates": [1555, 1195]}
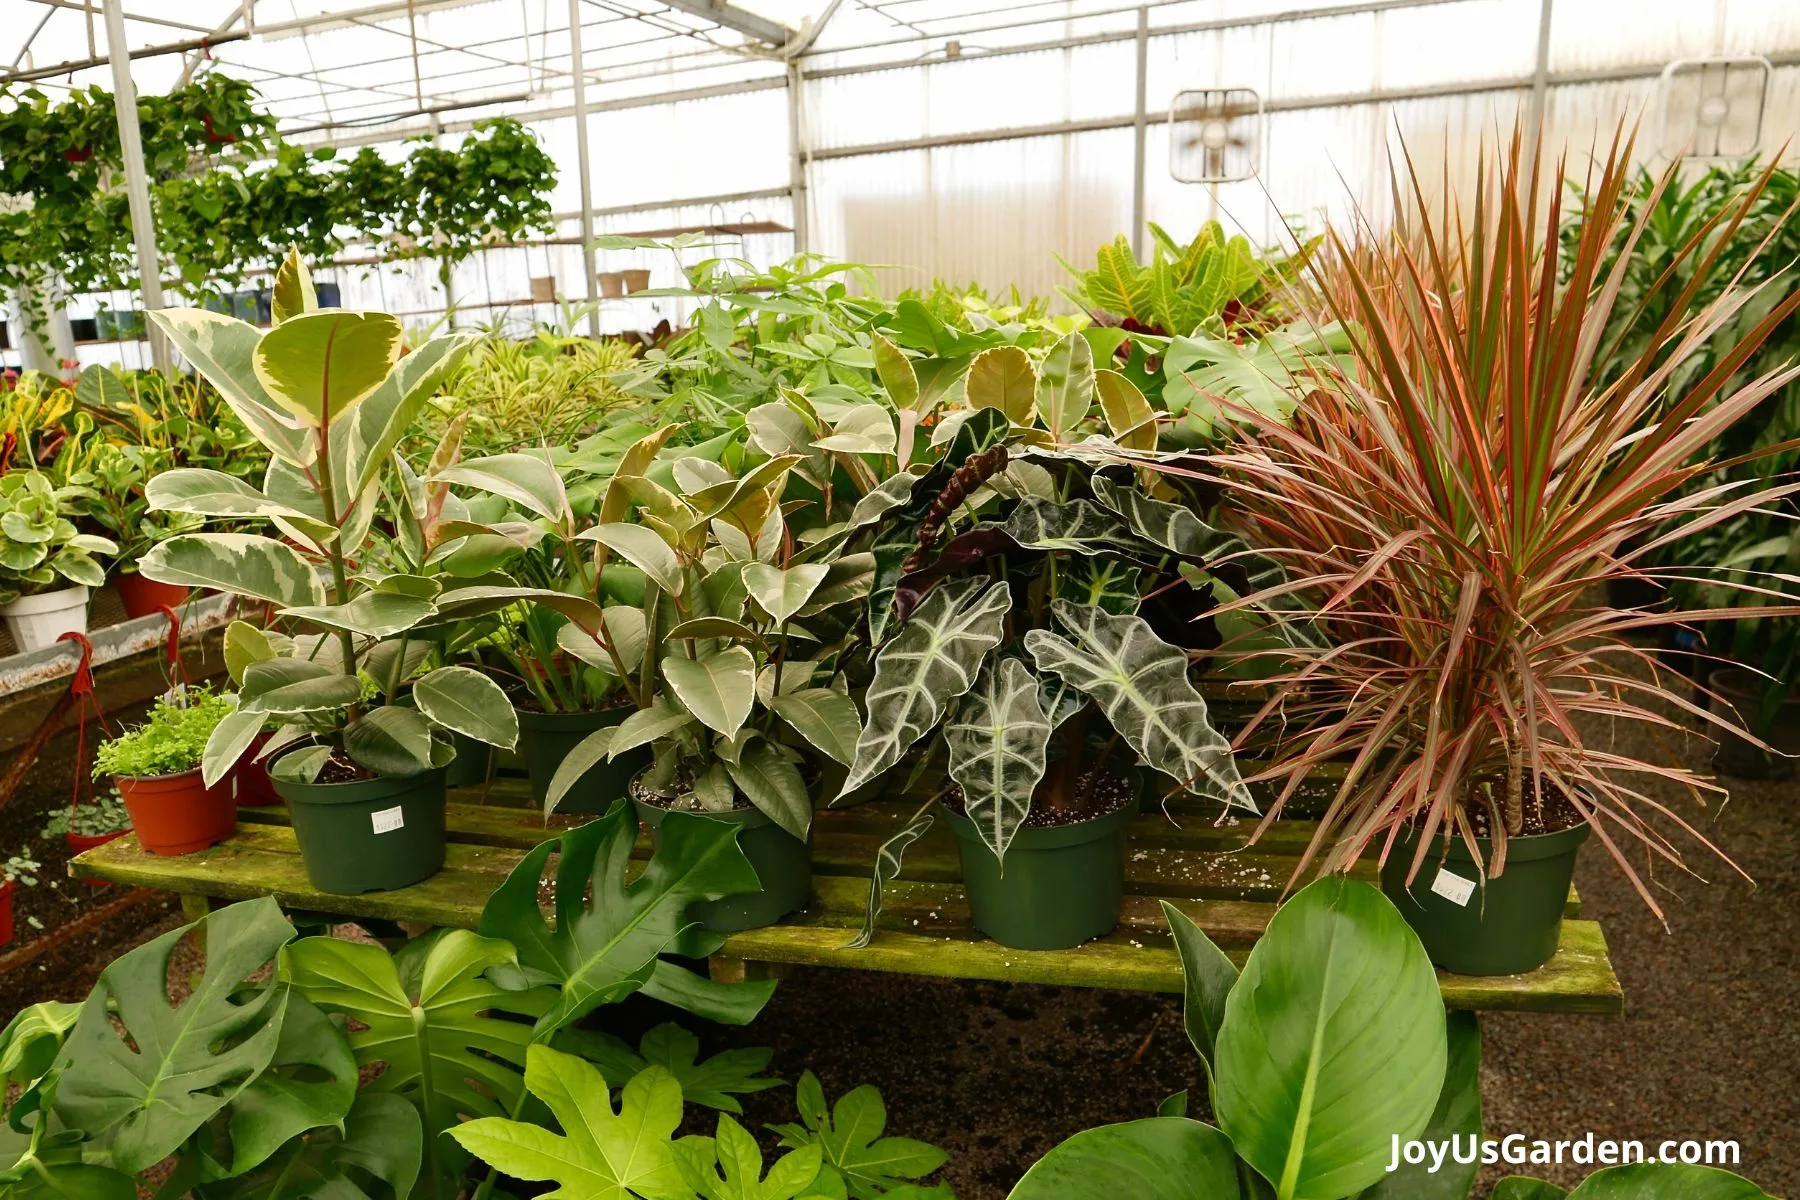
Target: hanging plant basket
{"type": "Point", "coordinates": [78, 154]}
{"type": "Point", "coordinates": [6, 913]}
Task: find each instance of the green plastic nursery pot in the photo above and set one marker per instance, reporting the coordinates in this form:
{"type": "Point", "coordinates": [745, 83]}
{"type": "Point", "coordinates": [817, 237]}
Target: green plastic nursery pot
{"type": "Point", "coordinates": [470, 766]}
{"type": "Point", "coordinates": [545, 739]}
{"type": "Point", "coordinates": [177, 814]}
{"type": "Point", "coordinates": [1063, 884]}
{"type": "Point", "coordinates": [782, 861]}
{"type": "Point", "coordinates": [1508, 927]}
{"type": "Point", "coordinates": [372, 835]}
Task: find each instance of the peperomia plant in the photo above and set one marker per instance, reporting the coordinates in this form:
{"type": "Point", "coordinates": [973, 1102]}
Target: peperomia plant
{"type": "Point", "coordinates": [330, 394]}
{"type": "Point", "coordinates": [39, 544]}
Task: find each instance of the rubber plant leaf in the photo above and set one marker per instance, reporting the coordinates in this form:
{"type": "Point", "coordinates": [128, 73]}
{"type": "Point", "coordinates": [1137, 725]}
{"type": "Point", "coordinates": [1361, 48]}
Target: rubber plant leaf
{"type": "Point", "coordinates": [211, 493]}
{"type": "Point", "coordinates": [1065, 386]}
{"type": "Point", "coordinates": [467, 702]}
{"type": "Point", "coordinates": [140, 1100]}
{"type": "Point", "coordinates": [609, 934]}
{"type": "Point", "coordinates": [1457, 1115]}
{"type": "Point", "coordinates": [375, 1156]}
{"type": "Point", "coordinates": [1159, 1158]}
{"type": "Point", "coordinates": [825, 717]}
{"type": "Point", "coordinates": [439, 1037]}
{"type": "Point", "coordinates": [1316, 1111]}
{"type": "Point", "coordinates": [729, 1166]}
{"type": "Point", "coordinates": [221, 349]}
{"type": "Point", "coordinates": [390, 740]}
{"type": "Point", "coordinates": [850, 1139]}
{"type": "Point", "coordinates": [1140, 682]}
{"type": "Point", "coordinates": [718, 688]}
{"type": "Point", "coordinates": [715, 1082]}
{"type": "Point", "coordinates": [998, 741]}
{"type": "Point", "coordinates": [243, 564]}
{"type": "Point", "coordinates": [529, 480]}
{"type": "Point", "coordinates": [360, 445]}
{"type": "Point", "coordinates": [320, 366]}
{"type": "Point", "coordinates": [784, 593]}
{"type": "Point", "coordinates": [293, 294]}
{"type": "Point", "coordinates": [603, 1153]}
{"type": "Point", "coordinates": [371, 615]}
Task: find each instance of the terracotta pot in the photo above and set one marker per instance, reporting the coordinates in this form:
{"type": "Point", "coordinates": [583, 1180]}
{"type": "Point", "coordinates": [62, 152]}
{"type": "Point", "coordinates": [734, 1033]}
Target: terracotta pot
{"type": "Point", "coordinates": [636, 281]}
{"type": "Point", "coordinates": [142, 597]}
{"type": "Point", "coordinates": [543, 288]}
{"type": "Point", "coordinates": [250, 778]}
{"type": "Point", "coordinates": [612, 284]}
{"type": "Point", "coordinates": [81, 842]}
{"type": "Point", "coordinates": [177, 814]}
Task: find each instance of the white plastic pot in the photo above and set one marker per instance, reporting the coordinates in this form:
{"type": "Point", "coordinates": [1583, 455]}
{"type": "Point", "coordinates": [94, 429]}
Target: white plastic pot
{"type": "Point", "coordinates": [37, 620]}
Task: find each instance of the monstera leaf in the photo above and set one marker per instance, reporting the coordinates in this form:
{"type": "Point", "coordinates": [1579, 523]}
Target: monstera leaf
{"type": "Point", "coordinates": [849, 1136]}
{"type": "Point", "coordinates": [730, 1167]}
{"type": "Point", "coordinates": [1316, 1113]}
{"type": "Point", "coordinates": [1140, 682]}
{"type": "Point", "coordinates": [998, 740]}
{"type": "Point", "coordinates": [934, 658]}
{"type": "Point", "coordinates": [608, 934]}
{"type": "Point", "coordinates": [603, 1153]}
{"type": "Point", "coordinates": [374, 1157]}
{"type": "Point", "coordinates": [430, 1019]}
{"type": "Point", "coordinates": [715, 1082]}
{"type": "Point", "coordinates": [184, 1062]}
{"type": "Point", "coordinates": [1161, 1158]}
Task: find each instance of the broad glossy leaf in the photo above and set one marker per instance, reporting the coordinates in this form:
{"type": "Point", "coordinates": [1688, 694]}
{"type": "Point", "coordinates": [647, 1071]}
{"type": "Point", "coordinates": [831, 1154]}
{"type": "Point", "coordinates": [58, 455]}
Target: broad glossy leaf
{"type": "Point", "coordinates": [851, 1138]}
{"type": "Point", "coordinates": [642, 548]}
{"type": "Point", "coordinates": [1076, 526]}
{"type": "Point", "coordinates": [1065, 386]}
{"type": "Point", "coordinates": [825, 717]}
{"type": "Point", "coordinates": [774, 785]}
{"type": "Point", "coordinates": [1333, 1042]}
{"type": "Point", "coordinates": [1140, 682]}
{"type": "Point", "coordinates": [715, 1082]}
{"type": "Point", "coordinates": [325, 693]}
{"type": "Point", "coordinates": [1002, 378]}
{"type": "Point", "coordinates": [390, 740]}
{"type": "Point", "coordinates": [865, 429]}
{"type": "Point", "coordinates": [933, 659]}
{"type": "Point", "coordinates": [302, 766]}
{"type": "Point", "coordinates": [240, 563]}
{"type": "Point", "coordinates": [784, 593]}
{"type": "Point", "coordinates": [56, 1172]}
{"type": "Point", "coordinates": [1129, 417]}
{"type": "Point", "coordinates": [310, 1082]}
{"type": "Point", "coordinates": [1207, 979]}
{"type": "Point", "coordinates": [890, 493]}
{"type": "Point", "coordinates": [293, 294]}
{"type": "Point", "coordinates": [245, 644]}
{"type": "Point", "coordinates": [1666, 1181]}
{"type": "Point", "coordinates": [849, 579]}
{"type": "Point", "coordinates": [1457, 1115]}
{"type": "Point", "coordinates": [320, 366]}
{"type": "Point", "coordinates": [222, 349]}
{"type": "Point", "coordinates": [289, 486]}
{"type": "Point", "coordinates": [896, 372]}
{"type": "Point", "coordinates": [998, 740]}
{"type": "Point", "coordinates": [603, 1153]}
{"type": "Point", "coordinates": [591, 750]}
{"type": "Point", "coordinates": [361, 445]}
{"type": "Point", "coordinates": [469, 703]}
{"type": "Point", "coordinates": [186, 1061]}
{"type": "Point", "coordinates": [719, 688]}
{"type": "Point", "coordinates": [1518, 1187]}
{"type": "Point", "coordinates": [31, 1040]}
{"type": "Point", "coordinates": [372, 614]}
{"type": "Point", "coordinates": [1175, 528]}
{"type": "Point", "coordinates": [432, 1020]}
{"type": "Point", "coordinates": [1161, 1158]}
{"type": "Point", "coordinates": [462, 603]}
{"type": "Point", "coordinates": [375, 1157]}
{"type": "Point", "coordinates": [529, 480]}
{"type": "Point", "coordinates": [662, 718]}
{"type": "Point", "coordinates": [227, 743]}
{"type": "Point", "coordinates": [608, 934]}
{"type": "Point", "coordinates": [730, 1166]}
{"type": "Point", "coordinates": [211, 494]}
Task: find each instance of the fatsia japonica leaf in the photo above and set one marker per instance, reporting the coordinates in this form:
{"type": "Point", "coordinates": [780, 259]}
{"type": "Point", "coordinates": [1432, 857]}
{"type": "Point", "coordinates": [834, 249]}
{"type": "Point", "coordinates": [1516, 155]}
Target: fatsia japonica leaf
{"type": "Point", "coordinates": [1316, 1112]}
{"type": "Point", "coordinates": [468, 702]}
{"type": "Point", "coordinates": [1140, 682]}
{"type": "Point", "coordinates": [849, 1134]}
{"type": "Point", "coordinates": [932, 660]}
{"type": "Point", "coordinates": [998, 741]}
{"type": "Point", "coordinates": [439, 1035]}
{"type": "Point", "coordinates": [243, 564]}
{"type": "Point", "coordinates": [1159, 1158]}
{"type": "Point", "coordinates": [715, 1082]}
{"type": "Point", "coordinates": [609, 934]}
{"type": "Point", "coordinates": [375, 1157]}
{"type": "Point", "coordinates": [603, 1153]}
{"type": "Point", "coordinates": [730, 1166]}
{"type": "Point", "coordinates": [221, 349]}
{"type": "Point", "coordinates": [185, 1062]}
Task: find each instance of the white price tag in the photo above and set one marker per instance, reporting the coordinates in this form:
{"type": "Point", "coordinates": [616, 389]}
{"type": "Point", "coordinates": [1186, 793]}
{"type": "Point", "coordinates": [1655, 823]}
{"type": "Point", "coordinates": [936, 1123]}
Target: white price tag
{"type": "Point", "coordinates": [388, 819]}
{"type": "Point", "coordinates": [1453, 887]}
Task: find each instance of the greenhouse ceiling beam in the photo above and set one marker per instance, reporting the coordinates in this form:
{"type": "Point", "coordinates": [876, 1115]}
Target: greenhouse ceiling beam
{"type": "Point", "coordinates": [731, 17]}
{"type": "Point", "coordinates": [805, 40]}
{"type": "Point", "coordinates": [85, 10]}
{"type": "Point", "coordinates": [245, 13]}
{"type": "Point", "coordinates": [355, 17]}
{"type": "Point", "coordinates": [84, 64]}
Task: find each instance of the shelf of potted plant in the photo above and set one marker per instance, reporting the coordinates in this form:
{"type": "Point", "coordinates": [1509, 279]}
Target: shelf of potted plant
{"type": "Point", "coordinates": [157, 768]}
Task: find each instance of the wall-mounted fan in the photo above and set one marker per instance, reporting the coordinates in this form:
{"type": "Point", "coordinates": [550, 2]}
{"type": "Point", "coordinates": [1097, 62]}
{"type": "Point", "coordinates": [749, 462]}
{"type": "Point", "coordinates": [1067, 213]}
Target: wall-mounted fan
{"type": "Point", "coordinates": [1214, 134]}
{"type": "Point", "coordinates": [1713, 107]}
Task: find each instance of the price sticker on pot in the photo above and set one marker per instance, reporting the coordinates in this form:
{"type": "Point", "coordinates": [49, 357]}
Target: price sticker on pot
{"type": "Point", "coordinates": [1453, 887]}
{"type": "Point", "coordinates": [388, 819]}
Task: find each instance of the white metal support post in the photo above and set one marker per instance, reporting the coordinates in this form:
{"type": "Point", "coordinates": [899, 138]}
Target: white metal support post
{"type": "Point", "coordinates": [1540, 78]}
{"type": "Point", "coordinates": [137, 185]}
{"type": "Point", "coordinates": [578, 76]}
{"type": "Point", "coordinates": [1139, 133]}
{"type": "Point", "coordinates": [796, 83]}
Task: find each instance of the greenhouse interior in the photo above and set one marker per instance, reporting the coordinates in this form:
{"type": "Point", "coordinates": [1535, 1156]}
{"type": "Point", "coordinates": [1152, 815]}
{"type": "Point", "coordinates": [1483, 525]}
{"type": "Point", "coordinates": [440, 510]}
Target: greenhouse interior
{"type": "Point", "coordinates": [853, 599]}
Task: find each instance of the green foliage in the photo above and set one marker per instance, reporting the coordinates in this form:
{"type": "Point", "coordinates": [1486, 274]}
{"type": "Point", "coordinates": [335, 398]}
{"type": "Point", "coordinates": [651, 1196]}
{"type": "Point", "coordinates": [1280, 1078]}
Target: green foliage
{"type": "Point", "coordinates": [103, 813]}
{"type": "Point", "coordinates": [849, 1137]}
{"type": "Point", "coordinates": [40, 546]}
{"type": "Point", "coordinates": [1182, 288]}
{"type": "Point", "coordinates": [171, 740]}
{"type": "Point", "coordinates": [715, 1082]}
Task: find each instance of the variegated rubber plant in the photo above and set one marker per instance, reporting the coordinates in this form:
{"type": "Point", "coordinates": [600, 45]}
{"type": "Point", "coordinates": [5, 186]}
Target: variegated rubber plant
{"type": "Point", "coordinates": [1009, 600]}
{"type": "Point", "coordinates": [330, 393]}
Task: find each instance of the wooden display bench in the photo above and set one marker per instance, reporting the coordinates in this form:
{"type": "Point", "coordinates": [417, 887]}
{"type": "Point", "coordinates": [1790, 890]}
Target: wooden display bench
{"type": "Point", "coordinates": [925, 929]}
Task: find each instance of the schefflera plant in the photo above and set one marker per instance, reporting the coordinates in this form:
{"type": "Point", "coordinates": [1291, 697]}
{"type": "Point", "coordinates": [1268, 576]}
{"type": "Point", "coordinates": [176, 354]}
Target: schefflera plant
{"type": "Point", "coordinates": [330, 393]}
{"type": "Point", "coordinates": [1018, 617]}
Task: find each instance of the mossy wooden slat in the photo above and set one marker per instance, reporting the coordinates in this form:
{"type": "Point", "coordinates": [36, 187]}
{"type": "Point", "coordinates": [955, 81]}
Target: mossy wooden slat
{"type": "Point", "coordinates": [472, 824]}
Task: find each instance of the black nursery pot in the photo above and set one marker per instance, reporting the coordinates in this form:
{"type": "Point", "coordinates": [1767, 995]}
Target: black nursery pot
{"type": "Point", "coordinates": [545, 739]}
{"type": "Point", "coordinates": [372, 835]}
{"type": "Point", "coordinates": [1062, 885]}
{"type": "Point", "coordinates": [1510, 926]}
{"type": "Point", "coordinates": [783, 865]}
{"type": "Point", "coordinates": [470, 766]}
{"type": "Point", "coordinates": [1738, 756]}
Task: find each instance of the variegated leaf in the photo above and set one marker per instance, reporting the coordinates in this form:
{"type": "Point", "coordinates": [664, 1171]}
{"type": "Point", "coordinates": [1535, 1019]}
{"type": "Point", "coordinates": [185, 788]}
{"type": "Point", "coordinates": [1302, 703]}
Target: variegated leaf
{"type": "Point", "coordinates": [1170, 526]}
{"type": "Point", "coordinates": [1077, 526]}
{"type": "Point", "coordinates": [361, 444]}
{"type": "Point", "coordinates": [773, 784]}
{"type": "Point", "coordinates": [1065, 386]}
{"type": "Point", "coordinates": [1140, 682]}
{"type": "Point", "coordinates": [718, 688]}
{"type": "Point", "coordinates": [824, 716]}
{"type": "Point", "coordinates": [887, 865]}
{"type": "Point", "coordinates": [320, 366]}
{"type": "Point", "coordinates": [998, 741]}
{"type": "Point", "coordinates": [222, 348]}
{"type": "Point", "coordinates": [891, 492]}
{"type": "Point", "coordinates": [293, 294]}
{"type": "Point", "coordinates": [211, 494]}
{"type": "Point", "coordinates": [784, 593]}
{"type": "Point", "coordinates": [1129, 417]}
{"type": "Point", "coordinates": [1002, 378]}
{"type": "Point", "coordinates": [372, 614]}
{"type": "Point", "coordinates": [933, 659]}
{"type": "Point", "coordinates": [240, 563]}
{"type": "Point", "coordinates": [1108, 583]}
{"type": "Point", "coordinates": [529, 480]}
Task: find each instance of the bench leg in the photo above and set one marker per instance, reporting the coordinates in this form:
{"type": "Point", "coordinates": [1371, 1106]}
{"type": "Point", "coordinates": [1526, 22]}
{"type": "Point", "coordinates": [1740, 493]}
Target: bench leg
{"type": "Point", "coordinates": [725, 969]}
{"type": "Point", "coordinates": [193, 908]}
